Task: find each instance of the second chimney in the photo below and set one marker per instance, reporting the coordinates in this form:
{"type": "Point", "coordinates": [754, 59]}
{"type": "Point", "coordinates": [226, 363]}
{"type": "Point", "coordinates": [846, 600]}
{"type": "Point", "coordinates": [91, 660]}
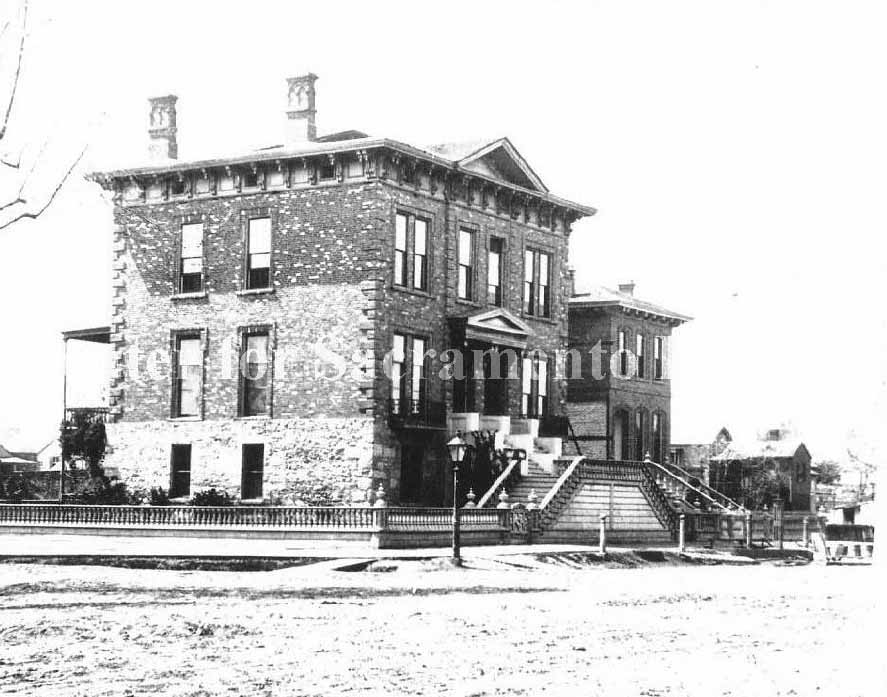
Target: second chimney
{"type": "Point", "coordinates": [300, 110]}
{"type": "Point", "coordinates": [627, 288]}
{"type": "Point", "coordinates": [162, 143]}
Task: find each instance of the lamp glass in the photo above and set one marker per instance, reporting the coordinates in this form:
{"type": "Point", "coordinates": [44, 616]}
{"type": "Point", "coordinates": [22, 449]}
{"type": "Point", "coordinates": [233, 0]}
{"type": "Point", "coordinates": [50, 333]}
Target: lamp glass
{"type": "Point", "coordinates": [456, 448]}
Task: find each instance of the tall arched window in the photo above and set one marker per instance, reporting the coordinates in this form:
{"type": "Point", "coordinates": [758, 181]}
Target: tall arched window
{"type": "Point", "coordinates": [623, 340]}
{"type": "Point", "coordinates": [658, 429]}
{"type": "Point", "coordinates": [621, 435]}
{"type": "Point", "coordinates": [640, 434]}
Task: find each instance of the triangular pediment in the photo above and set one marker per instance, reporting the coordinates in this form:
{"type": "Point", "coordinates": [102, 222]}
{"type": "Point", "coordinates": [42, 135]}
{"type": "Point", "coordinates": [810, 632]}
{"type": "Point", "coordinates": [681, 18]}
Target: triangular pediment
{"type": "Point", "coordinates": [498, 321]}
{"type": "Point", "coordinates": [501, 160]}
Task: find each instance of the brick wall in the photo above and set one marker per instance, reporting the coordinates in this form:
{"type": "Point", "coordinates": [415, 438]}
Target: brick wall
{"type": "Point", "coordinates": [588, 326]}
{"type": "Point", "coordinates": [332, 259]}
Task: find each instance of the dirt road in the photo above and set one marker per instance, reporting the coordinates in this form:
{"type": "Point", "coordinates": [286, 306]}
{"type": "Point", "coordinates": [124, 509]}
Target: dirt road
{"type": "Point", "coordinates": [497, 629]}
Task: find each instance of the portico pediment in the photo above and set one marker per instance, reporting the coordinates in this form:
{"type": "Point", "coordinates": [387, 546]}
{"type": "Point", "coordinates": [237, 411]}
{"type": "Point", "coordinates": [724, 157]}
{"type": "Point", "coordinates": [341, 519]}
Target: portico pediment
{"type": "Point", "coordinates": [498, 327]}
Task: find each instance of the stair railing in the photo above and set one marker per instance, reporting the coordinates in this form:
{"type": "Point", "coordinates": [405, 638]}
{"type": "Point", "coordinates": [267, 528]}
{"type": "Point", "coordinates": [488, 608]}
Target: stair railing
{"type": "Point", "coordinates": [656, 469]}
{"type": "Point", "coordinates": [508, 475]}
{"type": "Point", "coordinates": [725, 501]}
{"type": "Point", "coordinates": [557, 496]}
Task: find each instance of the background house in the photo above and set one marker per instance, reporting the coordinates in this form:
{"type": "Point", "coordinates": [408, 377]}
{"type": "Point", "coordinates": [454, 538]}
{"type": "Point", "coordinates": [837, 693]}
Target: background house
{"type": "Point", "coordinates": [620, 405]}
{"type": "Point", "coordinates": [754, 473]}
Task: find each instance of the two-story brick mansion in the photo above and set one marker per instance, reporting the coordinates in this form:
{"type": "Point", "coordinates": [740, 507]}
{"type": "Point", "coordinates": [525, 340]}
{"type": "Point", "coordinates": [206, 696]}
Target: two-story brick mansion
{"type": "Point", "coordinates": [281, 318]}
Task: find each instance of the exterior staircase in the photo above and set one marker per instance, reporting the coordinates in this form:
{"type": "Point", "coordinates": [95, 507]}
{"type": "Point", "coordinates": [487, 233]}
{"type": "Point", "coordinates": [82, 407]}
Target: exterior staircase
{"type": "Point", "coordinates": [537, 482]}
{"type": "Point", "coordinates": [566, 495]}
{"type": "Point", "coordinates": [641, 501]}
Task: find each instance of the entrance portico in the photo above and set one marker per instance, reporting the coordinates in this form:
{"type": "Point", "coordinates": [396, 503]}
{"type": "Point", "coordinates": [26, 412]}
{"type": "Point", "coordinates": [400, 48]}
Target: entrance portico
{"type": "Point", "coordinates": [492, 345]}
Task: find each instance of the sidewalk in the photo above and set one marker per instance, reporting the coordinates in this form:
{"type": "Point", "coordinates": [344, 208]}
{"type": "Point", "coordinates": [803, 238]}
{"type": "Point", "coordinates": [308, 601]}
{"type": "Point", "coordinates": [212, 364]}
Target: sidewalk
{"type": "Point", "coordinates": [127, 546]}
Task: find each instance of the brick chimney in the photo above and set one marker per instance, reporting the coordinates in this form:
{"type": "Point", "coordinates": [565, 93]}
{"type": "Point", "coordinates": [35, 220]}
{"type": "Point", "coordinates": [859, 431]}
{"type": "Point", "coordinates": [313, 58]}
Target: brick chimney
{"type": "Point", "coordinates": [571, 281]}
{"type": "Point", "coordinates": [627, 288]}
{"type": "Point", "coordinates": [300, 110]}
{"type": "Point", "coordinates": [162, 143]}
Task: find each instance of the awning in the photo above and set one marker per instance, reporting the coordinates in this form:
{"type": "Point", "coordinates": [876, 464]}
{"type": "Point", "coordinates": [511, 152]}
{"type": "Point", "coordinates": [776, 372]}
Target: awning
{"type": "Point", "coordinates": [97, 335]}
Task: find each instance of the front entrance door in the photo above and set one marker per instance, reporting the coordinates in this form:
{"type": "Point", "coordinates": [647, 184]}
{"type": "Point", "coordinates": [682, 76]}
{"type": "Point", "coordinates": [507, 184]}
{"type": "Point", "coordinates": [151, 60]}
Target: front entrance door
{"type": "Point", "coordinates": [496, 384]}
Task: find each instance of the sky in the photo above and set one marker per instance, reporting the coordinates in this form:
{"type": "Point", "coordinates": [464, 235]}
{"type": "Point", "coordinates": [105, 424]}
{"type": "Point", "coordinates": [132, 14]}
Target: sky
{"type": "Point", "coordinates": [734, 150]}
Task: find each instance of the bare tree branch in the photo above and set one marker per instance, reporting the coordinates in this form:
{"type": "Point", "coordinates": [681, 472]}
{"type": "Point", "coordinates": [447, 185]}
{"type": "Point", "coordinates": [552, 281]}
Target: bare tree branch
{"type": "Point", "coordinates": [18, 70]}
{"type": "Point", "coordinates": [31, 214]}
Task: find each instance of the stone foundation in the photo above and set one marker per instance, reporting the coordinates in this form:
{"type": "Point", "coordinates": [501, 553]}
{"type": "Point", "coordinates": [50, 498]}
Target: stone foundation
{"type": "Point", "coordinates": [307, 460]}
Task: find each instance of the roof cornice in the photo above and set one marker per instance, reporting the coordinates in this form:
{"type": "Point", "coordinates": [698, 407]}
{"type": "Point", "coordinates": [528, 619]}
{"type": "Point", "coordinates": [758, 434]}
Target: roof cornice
{"type": "Point", "coordinates": [106, 178]}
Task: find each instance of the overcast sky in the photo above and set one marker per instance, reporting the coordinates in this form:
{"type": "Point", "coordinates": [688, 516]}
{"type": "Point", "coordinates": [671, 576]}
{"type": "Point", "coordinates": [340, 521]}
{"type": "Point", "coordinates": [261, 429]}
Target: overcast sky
{"type": "Point", "coordinates": [735, 152]}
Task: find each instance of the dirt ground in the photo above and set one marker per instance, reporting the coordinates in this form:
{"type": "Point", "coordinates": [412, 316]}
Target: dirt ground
{"type": "Point", "coordinates": [521, 627]}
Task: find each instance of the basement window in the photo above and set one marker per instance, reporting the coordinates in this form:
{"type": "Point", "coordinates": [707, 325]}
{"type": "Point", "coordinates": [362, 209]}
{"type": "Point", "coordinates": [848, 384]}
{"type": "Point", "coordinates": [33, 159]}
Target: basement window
{"type": "Point", "coordinates": [180, 471]}
{"type": "Point", "coordinates": [252, 471]}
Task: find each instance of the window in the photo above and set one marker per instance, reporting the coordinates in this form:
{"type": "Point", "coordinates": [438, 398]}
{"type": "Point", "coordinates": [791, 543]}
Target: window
{"type": "Point", "coordinates": [252, 471]}
{"type": "Point", "coordinates": [180, 471]}
{"type": "Point", "coordinates": [677, 457]}
{"type": "Point", "coordinates": [640, 352]}
{"type": "Point", "coordinates": [408, 388]}
{"type": "Point", "coordinates": [326, 170]}
{"type": "Point", "coordinates": [258, 262]}
{"type": "Point", "coordinates": [177, 187]}
{"type": "Point", "coordinates": [544, 290]}
{"type": "Point", "coordinates": [255, 374]}
{"type": "Point", "coordinates": [398, 357]}
{"type": "Point", "coordinates": [659, 358]}
{"type": "Point", "coordinates": [529, 283]}
{"type": "Point", "coordinates": [400, 249]}
{"type": "Point", "coordinates": [417, 376]}
{"type": "Point", "coordinates": [413, 231]}
{"type": "Point", "coordinates": [621, 435]}
{"type": "Point", "coordinates": [250, 179]}
{"type": "Point", "coordinates": [494, 271]}
{"type": "Point", "coordinates": [191, 267]}
{"type": "Point", "coordinates": [639, 435]}
{"type": "Point", "coordinates": [623, 352]}
{"type": "Point", "coordinates": [534, 387]}
{"type": "Point", "coordinates": [465, 291]}
{"type": "Point", "coordinates": [537, 283]}
{"type": "Point", "coordinates": [658, 437]}
{"type": "Point", "coordinates": [189, 373]}
{"type": "Point", "coordinates": [420, 261]}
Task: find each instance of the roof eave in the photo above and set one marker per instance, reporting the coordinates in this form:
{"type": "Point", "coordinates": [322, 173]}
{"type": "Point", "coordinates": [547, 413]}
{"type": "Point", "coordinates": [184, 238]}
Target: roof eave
{"type": "Point", "coordinates": [619, 305]}
{"type": "Point", "coordinates": [331, 149]}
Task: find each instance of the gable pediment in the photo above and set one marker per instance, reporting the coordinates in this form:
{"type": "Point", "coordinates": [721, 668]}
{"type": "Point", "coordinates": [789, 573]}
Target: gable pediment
{"type": "Point", "coordinates": [497, 327]}
{"type": "Point", "coordinates": [501, 160]}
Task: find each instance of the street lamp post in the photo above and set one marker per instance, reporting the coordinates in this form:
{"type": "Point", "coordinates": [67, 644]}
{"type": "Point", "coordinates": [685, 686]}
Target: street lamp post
{"type": "Point", "coordinates": [456, 448]}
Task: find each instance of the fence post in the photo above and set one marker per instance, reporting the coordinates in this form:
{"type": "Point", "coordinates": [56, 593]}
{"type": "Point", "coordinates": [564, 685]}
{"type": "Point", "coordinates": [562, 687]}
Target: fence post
{"type": "Point", "coordinates": [380, 514]}
{"type": "Point", "coordinates": [805, 536]}
{"type": "Point", "coordinates": [682, 533]}
{"type": "Point", "coordinates": [602, 539]}
{"type": "Point", "coordinates": [779, 519]}
{"type": "Point", "coordinates": [748, 530]}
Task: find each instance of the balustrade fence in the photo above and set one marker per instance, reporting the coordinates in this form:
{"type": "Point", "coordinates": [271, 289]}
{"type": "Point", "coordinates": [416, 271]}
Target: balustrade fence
{"type": "Point", "coordinates": [252, 517]}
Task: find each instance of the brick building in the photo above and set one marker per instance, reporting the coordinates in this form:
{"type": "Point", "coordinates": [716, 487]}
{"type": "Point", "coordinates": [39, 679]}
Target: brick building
{"type": "Point", "coordinates": [281, 318]}
{"type": "Point", "coordinates": [621, 407]}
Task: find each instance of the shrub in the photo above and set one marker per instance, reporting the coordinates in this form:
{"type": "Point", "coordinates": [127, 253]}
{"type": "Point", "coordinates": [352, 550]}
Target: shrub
{"type": "Point", "coordinates": [102, 491]}
{"type": "Point", "coordinates": [212, 497]}
{"type": "Point", "coordinates": [158, 496]}
{"type": "Point", "coordinates": [18, 488]}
